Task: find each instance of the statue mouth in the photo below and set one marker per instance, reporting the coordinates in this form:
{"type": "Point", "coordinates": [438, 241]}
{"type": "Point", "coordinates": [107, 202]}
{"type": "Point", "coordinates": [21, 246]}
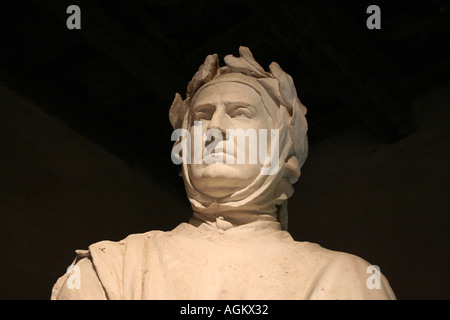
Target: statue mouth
{"type": "Point", "coordinates": [220, 157]}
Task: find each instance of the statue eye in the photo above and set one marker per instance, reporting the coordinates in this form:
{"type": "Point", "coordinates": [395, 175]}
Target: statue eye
{"type": "Point", "coordinates": [240, 112]}
{"type": "Point", "coordinates": [202, 115]}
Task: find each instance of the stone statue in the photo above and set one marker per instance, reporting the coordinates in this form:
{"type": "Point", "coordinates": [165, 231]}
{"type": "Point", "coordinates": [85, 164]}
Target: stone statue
{"type": "Point", "coordinates": [236, 245]}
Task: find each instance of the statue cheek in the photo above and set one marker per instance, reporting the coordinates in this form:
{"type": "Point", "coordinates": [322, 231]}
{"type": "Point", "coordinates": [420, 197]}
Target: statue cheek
{"type": "Point", "coordinates": [252, 122]}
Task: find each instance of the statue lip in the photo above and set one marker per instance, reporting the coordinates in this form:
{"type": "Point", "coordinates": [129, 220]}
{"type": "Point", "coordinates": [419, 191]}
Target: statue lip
{"type": "Point", "coordinates": [220, 149]}
{"type": "Point", "coordinates": [226, 158]}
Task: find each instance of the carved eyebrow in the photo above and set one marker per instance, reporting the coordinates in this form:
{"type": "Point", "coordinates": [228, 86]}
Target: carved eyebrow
{"type": "Point", "coordinates": [229, 105]}
{"type": "Point", "coordinates": [203, 107]}
{"type": "Point", "coordinates": [235, 105]}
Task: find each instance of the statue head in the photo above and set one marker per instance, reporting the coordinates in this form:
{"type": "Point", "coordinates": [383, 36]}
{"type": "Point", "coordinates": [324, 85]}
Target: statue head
{"type": "Point", "coordinates": [241, 111]}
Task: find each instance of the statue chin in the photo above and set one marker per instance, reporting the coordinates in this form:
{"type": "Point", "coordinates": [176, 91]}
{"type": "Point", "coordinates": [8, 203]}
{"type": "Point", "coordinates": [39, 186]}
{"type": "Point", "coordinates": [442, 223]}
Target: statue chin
{"type": "Point", "coordinates": [221, 180]}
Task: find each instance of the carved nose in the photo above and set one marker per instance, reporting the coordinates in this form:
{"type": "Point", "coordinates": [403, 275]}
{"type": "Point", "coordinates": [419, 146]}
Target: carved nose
{"type": "Point", "coordinates": [212, 138]}
{"type": "Point", "coordinates": [219, 120]}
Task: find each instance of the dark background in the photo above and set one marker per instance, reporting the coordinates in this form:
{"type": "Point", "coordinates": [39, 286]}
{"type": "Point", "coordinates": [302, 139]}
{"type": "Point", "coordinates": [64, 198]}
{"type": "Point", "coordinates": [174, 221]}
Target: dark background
{"type": "Point", "coordinates": [85, 137]}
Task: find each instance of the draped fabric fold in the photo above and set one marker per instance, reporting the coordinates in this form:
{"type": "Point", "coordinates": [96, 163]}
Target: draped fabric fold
{"type": "Point", "coordinates": [215, 260]}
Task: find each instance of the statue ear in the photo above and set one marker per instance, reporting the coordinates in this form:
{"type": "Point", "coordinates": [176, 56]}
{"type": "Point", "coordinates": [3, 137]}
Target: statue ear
{"type": "Point", "coordinates": [176, 112]}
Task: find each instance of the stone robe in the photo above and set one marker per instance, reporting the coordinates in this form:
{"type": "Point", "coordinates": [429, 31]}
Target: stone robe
{"type": "Point", "coordinates": [216, 260]}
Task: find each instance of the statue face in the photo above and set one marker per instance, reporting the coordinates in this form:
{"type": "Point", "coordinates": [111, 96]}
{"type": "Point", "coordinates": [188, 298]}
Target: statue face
{"type": "Point", "coordinates": [222, 106]}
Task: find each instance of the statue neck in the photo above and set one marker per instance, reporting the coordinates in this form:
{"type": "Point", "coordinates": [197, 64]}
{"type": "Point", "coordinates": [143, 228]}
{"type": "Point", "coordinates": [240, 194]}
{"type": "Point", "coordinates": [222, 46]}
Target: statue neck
{"type": "Point", "coordinates": [230, 219]}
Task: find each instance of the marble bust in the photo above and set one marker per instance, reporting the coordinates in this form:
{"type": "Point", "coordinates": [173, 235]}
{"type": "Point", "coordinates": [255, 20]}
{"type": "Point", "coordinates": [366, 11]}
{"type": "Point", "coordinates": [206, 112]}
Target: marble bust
{"type": "Point", "coordinates": [236, 244]}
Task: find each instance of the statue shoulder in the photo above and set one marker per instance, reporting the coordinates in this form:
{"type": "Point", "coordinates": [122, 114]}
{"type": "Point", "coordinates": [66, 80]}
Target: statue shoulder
{"type": "Point", "coordinates": [80, 282]}
{"type": "Point", "coordinates": [107, 249]}
{"type": "Point", "coordinates": [97, 273]}
{"type": "Point", "coordinates": [342, 276]}
{"type": "Point", "coordinates": [350, 277]}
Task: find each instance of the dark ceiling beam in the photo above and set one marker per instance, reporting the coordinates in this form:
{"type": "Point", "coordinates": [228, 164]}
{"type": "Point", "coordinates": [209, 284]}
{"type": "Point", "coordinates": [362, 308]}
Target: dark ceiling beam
{"type": "Point", "coordinates": [377, 105]}
{"type": "Point", "coordinates": [140, 57]}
